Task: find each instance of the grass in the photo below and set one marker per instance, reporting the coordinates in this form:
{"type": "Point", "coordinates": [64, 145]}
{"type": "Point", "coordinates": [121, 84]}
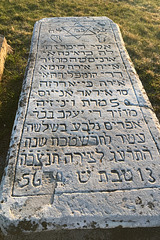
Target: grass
{"type": "Point", "coordinates": [139, 22]}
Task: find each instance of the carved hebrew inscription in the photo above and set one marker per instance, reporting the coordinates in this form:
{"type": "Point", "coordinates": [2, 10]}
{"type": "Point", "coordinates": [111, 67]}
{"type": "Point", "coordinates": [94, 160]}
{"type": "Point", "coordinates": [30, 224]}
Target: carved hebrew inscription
{"type": "Point", "coordinates": [84, 130]}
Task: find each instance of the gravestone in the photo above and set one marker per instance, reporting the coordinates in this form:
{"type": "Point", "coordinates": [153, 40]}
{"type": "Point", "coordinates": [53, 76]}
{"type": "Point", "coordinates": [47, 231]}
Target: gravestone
{"type": "Point", "coordinates": [3, 53]}
{"type": "Point", "coordinates": [4, 50]}
{"type": "Point", "coordinates": [84, 151]}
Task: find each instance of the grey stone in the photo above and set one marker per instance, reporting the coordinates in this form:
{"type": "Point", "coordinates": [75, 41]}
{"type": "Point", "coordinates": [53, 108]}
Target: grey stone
{"type": "Point", "coordinates": [84, 151]}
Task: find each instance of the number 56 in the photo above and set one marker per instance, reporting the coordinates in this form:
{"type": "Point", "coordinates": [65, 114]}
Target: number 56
{"type": "Point", "coordinates": [34, 179]}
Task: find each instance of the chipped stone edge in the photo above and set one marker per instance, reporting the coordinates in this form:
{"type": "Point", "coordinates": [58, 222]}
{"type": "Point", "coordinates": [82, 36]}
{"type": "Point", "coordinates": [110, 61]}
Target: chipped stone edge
{"type": "Point", "coordinates": [7, 182]}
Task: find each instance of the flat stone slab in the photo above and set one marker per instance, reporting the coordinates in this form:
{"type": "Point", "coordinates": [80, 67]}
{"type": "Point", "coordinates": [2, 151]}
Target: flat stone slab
{"type": "Point", "coordinates": [85, 147]}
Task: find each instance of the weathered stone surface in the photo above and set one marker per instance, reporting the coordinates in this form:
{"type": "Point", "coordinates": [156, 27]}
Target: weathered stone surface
{"type": "Point", "coordinates": [4, 49]}
{"type": "Point", "coordinates": [84, 152]}
{"type": "Point", "coordinates": [3, 53]}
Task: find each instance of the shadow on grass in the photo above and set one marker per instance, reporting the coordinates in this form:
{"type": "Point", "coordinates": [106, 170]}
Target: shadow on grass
{"type": "Point", "coordinates": [94, 234]}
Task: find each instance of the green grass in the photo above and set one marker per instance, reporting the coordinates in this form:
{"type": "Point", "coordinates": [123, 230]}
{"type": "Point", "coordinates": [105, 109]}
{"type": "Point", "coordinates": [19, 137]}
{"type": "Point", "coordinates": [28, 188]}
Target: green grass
{"type": "Point", "coordinates": [139, 22]}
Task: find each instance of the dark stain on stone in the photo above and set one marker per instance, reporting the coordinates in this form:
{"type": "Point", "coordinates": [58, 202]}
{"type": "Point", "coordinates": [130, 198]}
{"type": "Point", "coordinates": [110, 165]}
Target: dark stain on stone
{"type": "Point", "coordinates": [151, 205]}
{"type": "Point", "coordinates": [23, 101]}
{"type": "Point", "coordinates": [84, 226]}
{"type": "Point", "coordinates": [22, 226]}
{"type": "Point", "coordinates": [93, 224]}
{"type": "Point", "coordinates": [44, 225]}
{"type": "Point", "coordinates": [28, 225]}
{"type": "Point", "coordinates": [138, 200]}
